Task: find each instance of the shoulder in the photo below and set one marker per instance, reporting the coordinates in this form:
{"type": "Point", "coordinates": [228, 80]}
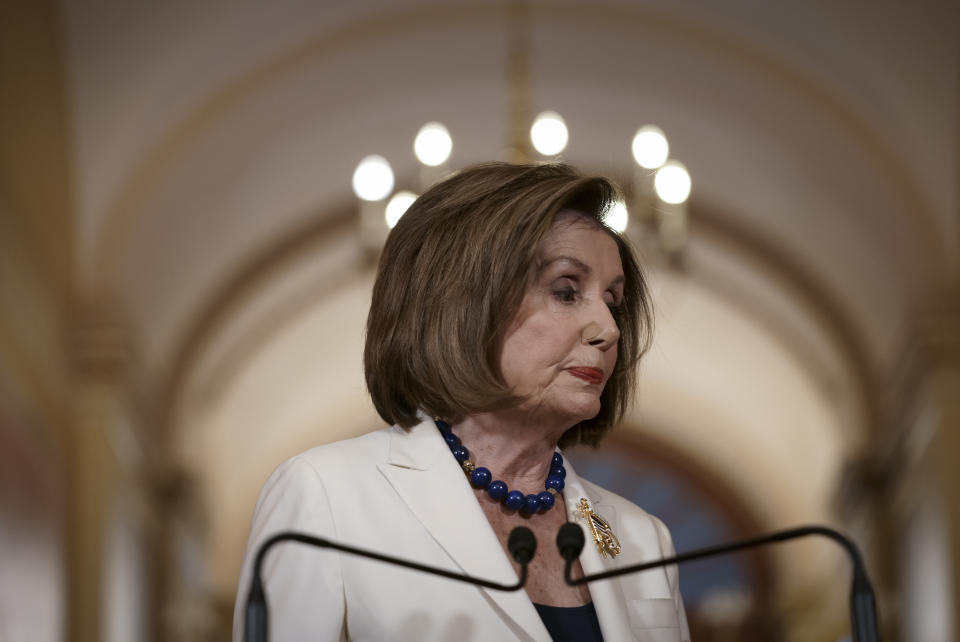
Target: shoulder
{"type": "Point", "coordinates": [312, 471]}
{"type": "Point", "coordinates": [345, 454]}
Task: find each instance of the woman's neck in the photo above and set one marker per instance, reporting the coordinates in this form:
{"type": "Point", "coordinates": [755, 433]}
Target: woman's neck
{"type": "Point", "coordinates": [511, 445]}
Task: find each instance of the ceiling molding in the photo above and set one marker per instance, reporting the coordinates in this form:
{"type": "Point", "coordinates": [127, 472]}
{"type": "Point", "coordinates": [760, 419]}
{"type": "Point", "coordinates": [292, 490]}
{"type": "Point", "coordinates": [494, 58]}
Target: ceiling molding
{"type": "Point", "coordinates": [241, 287]}
{"type": "Point", "coordinates": [810, 293]}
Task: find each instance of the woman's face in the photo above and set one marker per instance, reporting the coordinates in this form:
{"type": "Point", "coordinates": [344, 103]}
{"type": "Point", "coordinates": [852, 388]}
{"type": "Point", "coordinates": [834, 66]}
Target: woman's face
{"type": "Point", "coordinates": [562, 346]}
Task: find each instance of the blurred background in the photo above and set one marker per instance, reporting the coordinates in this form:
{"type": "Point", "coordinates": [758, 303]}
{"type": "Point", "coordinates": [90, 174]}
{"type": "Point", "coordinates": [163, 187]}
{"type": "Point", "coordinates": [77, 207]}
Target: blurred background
{"type": "Point", "coordinates": [189, 223]}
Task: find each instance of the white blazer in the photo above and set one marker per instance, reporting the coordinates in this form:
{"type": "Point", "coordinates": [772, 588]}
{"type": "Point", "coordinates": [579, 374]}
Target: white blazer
{"type": "Point", "coordinates": [400, 492]}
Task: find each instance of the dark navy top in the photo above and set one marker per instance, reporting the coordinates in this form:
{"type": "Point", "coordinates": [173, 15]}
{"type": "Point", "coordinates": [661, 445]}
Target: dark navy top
{"type": "Point", "coordinates": [571, 623]}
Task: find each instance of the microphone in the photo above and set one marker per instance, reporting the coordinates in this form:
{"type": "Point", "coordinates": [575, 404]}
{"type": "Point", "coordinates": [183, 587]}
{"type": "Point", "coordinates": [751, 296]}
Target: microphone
{"type": "Point", "coordinates": [521, 544]}
{"type": "Point", "coordinates": [570, 542]}
{"type": "Point", "coordinates": [863, 610]}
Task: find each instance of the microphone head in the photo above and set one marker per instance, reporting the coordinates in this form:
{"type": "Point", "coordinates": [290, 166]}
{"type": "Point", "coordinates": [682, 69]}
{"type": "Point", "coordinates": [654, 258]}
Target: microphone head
{"type": "Point", "coordinates": [522, 544]}
{"type": "Point", "coordinates": [570, 541]}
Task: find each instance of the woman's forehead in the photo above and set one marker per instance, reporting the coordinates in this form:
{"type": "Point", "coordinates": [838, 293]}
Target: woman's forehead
{"type": "Point", "coordinates": [575, 231]}
{"type": "Point", "coordinates": [585, 247]}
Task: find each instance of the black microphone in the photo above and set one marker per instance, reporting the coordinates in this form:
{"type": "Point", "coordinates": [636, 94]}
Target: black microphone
{"type": "Point", "coordinates": [570, 542]}
{"type": "Point", "coordinates": [863, 610]}
{"type": "Point", "coordinates": [521, 544]}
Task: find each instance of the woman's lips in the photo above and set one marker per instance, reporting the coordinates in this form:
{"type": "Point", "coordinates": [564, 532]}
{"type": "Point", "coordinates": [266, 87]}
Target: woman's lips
{"type": "Point", "coordinates": [591, 375]}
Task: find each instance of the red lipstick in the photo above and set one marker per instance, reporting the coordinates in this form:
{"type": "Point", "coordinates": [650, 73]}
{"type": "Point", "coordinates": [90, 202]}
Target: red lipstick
{"type": "Point", "coordinates": [590, 375]}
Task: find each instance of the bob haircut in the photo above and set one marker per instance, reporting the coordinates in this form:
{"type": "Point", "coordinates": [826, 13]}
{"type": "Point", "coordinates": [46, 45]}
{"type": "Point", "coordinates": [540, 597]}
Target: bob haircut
{"type": "Point", "coordinates": [451, 279]}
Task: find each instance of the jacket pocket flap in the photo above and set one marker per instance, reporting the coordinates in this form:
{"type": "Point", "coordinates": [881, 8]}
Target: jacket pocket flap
{"type": "Point", "coordinates": [659, 613]}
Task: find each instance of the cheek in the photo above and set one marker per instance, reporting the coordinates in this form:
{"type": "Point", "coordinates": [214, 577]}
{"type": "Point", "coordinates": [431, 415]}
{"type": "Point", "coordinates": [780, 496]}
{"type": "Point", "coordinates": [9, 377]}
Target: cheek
{"type": "Point", "coordinates": [534, 349]}
{"type": "Point", "coordinates": [519, 356]}
{"type": "Point", "coordinates": [610, 359]}
{"type": "Point", "coordinates": [554, 341]}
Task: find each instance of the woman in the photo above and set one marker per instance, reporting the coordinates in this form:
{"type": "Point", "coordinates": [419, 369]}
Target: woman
{"type": "Point", "coordinates": [506, 320]}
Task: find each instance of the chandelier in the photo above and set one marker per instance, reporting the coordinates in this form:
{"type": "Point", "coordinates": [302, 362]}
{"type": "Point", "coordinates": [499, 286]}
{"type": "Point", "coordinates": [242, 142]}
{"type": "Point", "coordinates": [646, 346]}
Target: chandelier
{"type": "Point", "coordinates": [653, 212]}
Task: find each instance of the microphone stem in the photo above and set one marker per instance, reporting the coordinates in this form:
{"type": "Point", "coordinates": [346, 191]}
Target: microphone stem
{"type": "Point", "coordinates": [722, 549]}
{"type": "Point", "coordinates": [256, 627]}
{"type": "Point", "coordinates": [863, 613]}
{"type": "Point", "coordinates": [324, 543]}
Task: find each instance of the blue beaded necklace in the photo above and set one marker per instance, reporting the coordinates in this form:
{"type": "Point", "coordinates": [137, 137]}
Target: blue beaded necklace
{"type": "Point", "coordinates": [481, 478]}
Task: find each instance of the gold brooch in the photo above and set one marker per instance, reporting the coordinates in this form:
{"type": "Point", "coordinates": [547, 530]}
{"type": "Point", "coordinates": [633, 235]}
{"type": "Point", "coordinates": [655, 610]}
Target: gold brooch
{"type": "Point", "coordinates": [603, 535]}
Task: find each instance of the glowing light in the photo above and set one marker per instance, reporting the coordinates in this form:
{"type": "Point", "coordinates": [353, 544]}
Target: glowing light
{"type": "Point", "coordinates": [549, 133]}
{"type": "Point", "coordinates": [617, 216]}
{"type": "Point", "coordinates": [397, 206]}
{"type": "Point", "coordinates": [650, 147]}
{"type": "Point", "coordinates": [433, 144]}
{"type": "Point", "coordinates": [672, 182]}
{"type": "Point", "coordinates": [373, 179]}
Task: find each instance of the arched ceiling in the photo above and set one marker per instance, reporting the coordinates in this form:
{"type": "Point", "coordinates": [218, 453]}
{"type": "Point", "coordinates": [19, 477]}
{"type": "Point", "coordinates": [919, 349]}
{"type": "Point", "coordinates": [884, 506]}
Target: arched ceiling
{"type": "Point", "coordinates": [201, 128]}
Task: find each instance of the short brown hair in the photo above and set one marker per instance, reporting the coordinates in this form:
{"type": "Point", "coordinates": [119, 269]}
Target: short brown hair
{"type": "Point", "coordinates": [451, 278]}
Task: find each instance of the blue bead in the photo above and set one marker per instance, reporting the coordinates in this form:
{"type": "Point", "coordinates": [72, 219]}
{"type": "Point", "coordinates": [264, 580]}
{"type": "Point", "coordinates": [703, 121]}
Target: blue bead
{"type": "Point", "coordinates": [557, 460]}
{"type": "Point", "coordinates": [546, 501]}
{"type": "Point", "coordinates": [531, 504]}
{"type": "Point", "coordinates": [558, 471]}
{"type": "Point", "coordinates": [514, 500]}
{"type": "Point", "coordinates": [480, 477]}
{"type": "Point", "coordinates": [452, 440]}
{"type": "Point", "coordinates": [555, 482]}
{"type": "Point", "coordinates": [442, 425]}
{"type": "Point", "coordinates": [497, 490]}
{"type": "Point", "coordinates": [461, 453]}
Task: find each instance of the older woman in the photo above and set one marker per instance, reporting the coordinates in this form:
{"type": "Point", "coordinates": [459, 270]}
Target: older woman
{"type": "Point", "coordinates": [506, 320]}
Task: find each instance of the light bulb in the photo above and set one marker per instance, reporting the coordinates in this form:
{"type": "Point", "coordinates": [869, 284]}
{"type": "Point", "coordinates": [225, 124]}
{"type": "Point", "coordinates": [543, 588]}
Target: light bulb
{"type": "Point", "coordinates": [397, 206]}
{"type": "Point", "coordinates": [617, 217]}
{"type": "Point", "coordinates": [650, 147]}
{"type": "Point", "coordinates": [373, 179]}
{"type": "Point", "coordinates": [672, 182]}
{"type": "Point", "coordinates": [433, 144]}
{"type": "Point", "coordinates": [549, 133]}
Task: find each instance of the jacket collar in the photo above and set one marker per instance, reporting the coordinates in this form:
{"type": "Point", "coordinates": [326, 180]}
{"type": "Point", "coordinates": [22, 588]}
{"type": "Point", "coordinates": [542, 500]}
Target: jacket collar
{"type": "Point", "coordinates": [428, 479]}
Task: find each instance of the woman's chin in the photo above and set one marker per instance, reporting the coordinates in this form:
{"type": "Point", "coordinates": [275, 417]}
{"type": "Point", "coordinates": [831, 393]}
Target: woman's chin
{"type": "Point", "coordinates": [576, 411]}
{"type": "Point", "coordinates": [565, 411]}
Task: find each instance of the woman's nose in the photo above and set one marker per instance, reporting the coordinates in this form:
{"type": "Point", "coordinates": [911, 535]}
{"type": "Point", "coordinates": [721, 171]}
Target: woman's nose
{"type": "Point", "coordinates": [602, 333]}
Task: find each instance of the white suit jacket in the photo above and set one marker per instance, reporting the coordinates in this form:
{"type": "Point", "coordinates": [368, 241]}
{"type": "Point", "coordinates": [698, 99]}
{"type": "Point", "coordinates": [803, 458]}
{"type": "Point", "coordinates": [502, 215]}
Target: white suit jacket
{"type": "Point", "coordinates": [401, 493]}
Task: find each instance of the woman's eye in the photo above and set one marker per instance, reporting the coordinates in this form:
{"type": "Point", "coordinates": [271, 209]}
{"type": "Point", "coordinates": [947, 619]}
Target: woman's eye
{"type": "Point", "coordinates": [613, 298]}
{"type": "Point", "coordinates": [567, 295]}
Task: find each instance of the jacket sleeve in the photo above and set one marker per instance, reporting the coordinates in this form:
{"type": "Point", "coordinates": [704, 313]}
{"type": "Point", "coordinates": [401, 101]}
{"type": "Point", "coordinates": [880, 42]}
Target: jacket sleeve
{"type": "Point", "coordinates": [303, 584]}
{"type": "Point", "coordinates": [667, 550]}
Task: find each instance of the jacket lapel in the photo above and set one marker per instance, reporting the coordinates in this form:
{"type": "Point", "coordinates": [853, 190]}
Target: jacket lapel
{"type": "Point", "coordinates": [608, 598]}
{"type": "Point", "coordinates": [424, 474]}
